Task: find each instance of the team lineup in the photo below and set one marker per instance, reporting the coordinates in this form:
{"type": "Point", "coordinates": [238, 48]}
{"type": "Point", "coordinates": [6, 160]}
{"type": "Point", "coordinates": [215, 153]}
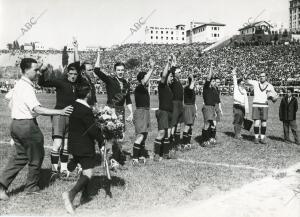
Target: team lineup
{"type": "Point", "coordinates": [73, 122]}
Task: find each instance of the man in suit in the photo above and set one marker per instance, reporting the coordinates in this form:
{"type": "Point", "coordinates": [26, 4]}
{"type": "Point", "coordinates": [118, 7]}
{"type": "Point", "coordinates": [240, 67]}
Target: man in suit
{"type": "Point", "coordinates": [287, 114]}
{"type": "Point", "coordinates": [81, 142]}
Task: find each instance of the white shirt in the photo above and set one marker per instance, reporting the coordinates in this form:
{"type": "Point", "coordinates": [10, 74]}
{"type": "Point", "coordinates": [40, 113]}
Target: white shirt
{"type": "Point", "coordinates": [261, 93]}
{"type": "Point", "coordinates": [83, 102]}
{"type": "Point", "coordinates": [240, 95]}
{"type": "Point", "coordinates": [23, 100]}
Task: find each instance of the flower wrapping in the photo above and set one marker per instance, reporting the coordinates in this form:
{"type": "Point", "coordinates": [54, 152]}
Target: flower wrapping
{"type": "Point", "coordinates": [111, 125]}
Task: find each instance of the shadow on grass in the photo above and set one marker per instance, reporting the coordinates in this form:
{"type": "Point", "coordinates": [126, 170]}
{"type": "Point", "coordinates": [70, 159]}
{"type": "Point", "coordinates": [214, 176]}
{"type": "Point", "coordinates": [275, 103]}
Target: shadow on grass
{"type": "Point", "coordinates": [245, 136]}
{"type": "Point", "coordinates": [101, 182]}
{"type": "Point", "coordinates": [17, 190]}
{"type": "Point", "coordinates": [199, 139]}
{"type": "Point", "coordinates": [276, 138]}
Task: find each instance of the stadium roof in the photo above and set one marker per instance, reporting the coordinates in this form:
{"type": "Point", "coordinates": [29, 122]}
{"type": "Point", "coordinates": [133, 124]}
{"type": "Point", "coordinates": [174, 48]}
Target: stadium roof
{"type": "Point", "coordinates": [254, 24]}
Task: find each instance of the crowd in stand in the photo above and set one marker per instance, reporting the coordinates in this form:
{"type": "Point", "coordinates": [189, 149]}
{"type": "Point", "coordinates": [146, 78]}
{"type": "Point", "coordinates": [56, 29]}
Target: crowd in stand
{"type": "Point", "coordinates": [280, 62]}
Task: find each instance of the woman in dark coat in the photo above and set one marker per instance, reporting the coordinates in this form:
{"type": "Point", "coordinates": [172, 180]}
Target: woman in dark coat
{"type": "Point", "coordinates": [287, 114]}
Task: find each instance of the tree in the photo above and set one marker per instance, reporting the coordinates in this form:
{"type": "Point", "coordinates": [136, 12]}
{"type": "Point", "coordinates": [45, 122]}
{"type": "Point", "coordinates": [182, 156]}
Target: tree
{"type": "Point", "coordinates": [9, 46]}
{"type": "Point", "coordinates": [285, 33]}
{"type": "Point", "coordinates": [17, 45]}
{"type": "Point", "coordinates": [276, 37]}
{"type": "Point", "coordinates": [65, 57]}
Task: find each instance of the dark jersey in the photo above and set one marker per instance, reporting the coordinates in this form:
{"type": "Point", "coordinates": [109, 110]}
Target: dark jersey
{"type": "Point", "coordinates": [165, 97]}
{"type": "Point", "coordinates": [142, 97]}
{"type": "Point", "coordinates": [177, 90]}
{"type": "Point", "coordinates": [65, 90]}
{"type": "Point", "coordinates": [210, 95]}
{"type": "Point", "coordinates": [93, 99]}
{"type": "Point", "coordinates": [118, 90]}
{"type": "Point", "coordinates": [189, 96]}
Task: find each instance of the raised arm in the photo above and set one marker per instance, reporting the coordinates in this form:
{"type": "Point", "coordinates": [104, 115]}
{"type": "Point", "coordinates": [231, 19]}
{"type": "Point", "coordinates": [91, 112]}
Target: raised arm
{"type": "Point", "coordinates": [148, 75]}
{"type": "Point", "coordinates": [170, 68]}
{"type": "Point", "coordinates": [76, 53]}
{"type": "Point", "coordinates": [103, 76]}
{"type": "Point", "coordinates": [47, 69]}
{"type": "Point", "coordinates": [192, 85]}
{"type": "Point", "coordinates": [234, 77]}
{"type": "Point", "coordinates": [210, 74]}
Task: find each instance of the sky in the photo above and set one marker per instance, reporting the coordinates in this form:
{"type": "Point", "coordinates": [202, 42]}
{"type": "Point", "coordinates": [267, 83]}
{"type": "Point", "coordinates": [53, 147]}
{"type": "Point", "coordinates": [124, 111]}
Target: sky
{"type": "Point", "coordinates": [110, 22]}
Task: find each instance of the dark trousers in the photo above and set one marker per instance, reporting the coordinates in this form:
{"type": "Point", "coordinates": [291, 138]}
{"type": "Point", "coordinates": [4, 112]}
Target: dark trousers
{"type": "Point", "coordinates": [286, 130]}
{"type": "Point", "coordinates": [29, 149]}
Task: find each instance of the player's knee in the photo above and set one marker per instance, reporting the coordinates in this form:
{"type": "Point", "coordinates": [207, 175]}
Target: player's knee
{"type": "Point", "coordinates": [57, 143]}
{"type": "Point", "coordinates": [88, 173]}
{"type": "Point", "coordinates": [139, 138]}
{"type": "Point", "coordinates": [161, 134]}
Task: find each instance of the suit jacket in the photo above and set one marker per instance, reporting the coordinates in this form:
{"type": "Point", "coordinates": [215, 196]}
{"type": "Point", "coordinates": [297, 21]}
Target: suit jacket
{"type": "Point", "coordinates": [83, 131]}
{"type": "Point", "coordinates": [287, 110]}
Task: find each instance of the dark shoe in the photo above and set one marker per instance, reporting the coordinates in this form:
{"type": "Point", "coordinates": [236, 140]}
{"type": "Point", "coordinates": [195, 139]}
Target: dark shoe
{"type": "Point", "coordinates": [64, 174]}
{"type": "Point", "coordinates": [68, 203]}
{"type": "Point", "coordinates": [3, 194]}
{"type": "Point", "coordinates": [263, 141]}
{"type": "Point", "coordinates": [205, 144]}
{"type": "Point", "coordinates": [239, 137]}
{"type": "Point", "coordinates": [72, 165]}
{"type": "Point", "coordinates": [54, 175]}
{"type": "Point", "coordinates": [212, 141]}
{"type": "Point", "coordinates": [135, 162]}
{"type": "Point", "coordinates": [172, 154]}
{"type": "Point", "coordinates": [157, 158]}
{"type": "Point", "coordinates": [33, 191]}
{"type": "Point", "coordinates": [142, 160]}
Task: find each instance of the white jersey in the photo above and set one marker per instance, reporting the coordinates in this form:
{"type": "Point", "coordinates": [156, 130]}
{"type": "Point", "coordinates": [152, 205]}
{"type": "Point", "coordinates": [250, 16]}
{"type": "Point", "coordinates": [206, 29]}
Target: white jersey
{"type": "Point", "coordinates": [261, 93]}
{"type": "Point", "coordinates": [240, 95]}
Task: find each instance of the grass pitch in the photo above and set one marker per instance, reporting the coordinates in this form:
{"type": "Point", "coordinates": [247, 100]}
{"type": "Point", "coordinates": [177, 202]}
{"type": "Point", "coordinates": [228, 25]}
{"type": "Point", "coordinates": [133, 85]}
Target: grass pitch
{"type": "Point", "coordinates": [197, 175]}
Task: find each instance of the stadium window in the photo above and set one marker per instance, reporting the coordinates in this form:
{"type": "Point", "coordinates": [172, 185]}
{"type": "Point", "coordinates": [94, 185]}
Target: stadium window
{"type": "Point", "coordinates": [167, 38]}
{"type": "Point", "coordinates": [182, 39]}
{"type": "Point", "coordinates": [172, 33]}
{"type": "Point", "coordinates": [183, 33]}
{"type": "Point", "coordinates": [215, 35]}
{"type": "Point", "coordinates": [156, 32]}
{"type": "Point", "coordinates": [151, 32]}
{"type": "Point", "coordinates": [156, 37]}
{"type": "Point", "coordinates": [212, 28]}
{"type": "Point", "coordinates": [162, 32]}
{"type": "Point", "coordinates": [171, 38]}
{"type": "Point", "coordinates": [151, 37]}
{"type": "Point", "coordinates": [166, 32]}
{"type": "Point", "coordinates": [162, 37]}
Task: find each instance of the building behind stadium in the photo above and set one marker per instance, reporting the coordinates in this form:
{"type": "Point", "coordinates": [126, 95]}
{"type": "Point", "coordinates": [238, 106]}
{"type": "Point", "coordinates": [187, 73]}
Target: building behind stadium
{"type": "Point", "coordinates": [199, 32]}
{"type": "Point", "coordinates": [165, 35]}
{"type": "Point", "coordinates": [205, 32]}
{"type": "Point", "coordinates": [295, 16]}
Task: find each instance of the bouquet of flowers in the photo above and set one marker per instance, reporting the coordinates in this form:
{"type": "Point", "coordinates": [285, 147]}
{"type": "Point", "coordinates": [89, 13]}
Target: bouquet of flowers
{"type": "Point", "coordinates": [109, 123]}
